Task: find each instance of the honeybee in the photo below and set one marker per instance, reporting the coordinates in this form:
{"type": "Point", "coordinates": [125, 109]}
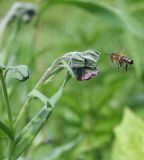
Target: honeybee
{"type": "Point", "coordinates": [121, 59]}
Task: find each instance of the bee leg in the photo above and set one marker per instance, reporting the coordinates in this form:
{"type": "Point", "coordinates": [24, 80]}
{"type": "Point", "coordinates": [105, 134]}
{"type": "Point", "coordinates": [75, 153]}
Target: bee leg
{"type": "Point", "coordinates": [126, 67]}
{"type": "Point", "coordinates": [120, 65]}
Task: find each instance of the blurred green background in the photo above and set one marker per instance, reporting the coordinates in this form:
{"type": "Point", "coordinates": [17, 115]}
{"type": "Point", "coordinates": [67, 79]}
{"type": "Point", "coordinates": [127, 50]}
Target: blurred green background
{"type": "Point", "coordinates": [83, 123]}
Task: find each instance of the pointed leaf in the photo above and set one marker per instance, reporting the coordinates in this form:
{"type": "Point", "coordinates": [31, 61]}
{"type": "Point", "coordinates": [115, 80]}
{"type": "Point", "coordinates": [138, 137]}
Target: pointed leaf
{"type": "Point", "coordinates": [29, 132]}
{"type": "Point", "coordinates": [36, 94]}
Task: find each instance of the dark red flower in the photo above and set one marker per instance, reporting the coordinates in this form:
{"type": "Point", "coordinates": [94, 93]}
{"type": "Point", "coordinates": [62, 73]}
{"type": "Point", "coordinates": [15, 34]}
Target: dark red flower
{"type": "Point", "coordinates": [83, 64]}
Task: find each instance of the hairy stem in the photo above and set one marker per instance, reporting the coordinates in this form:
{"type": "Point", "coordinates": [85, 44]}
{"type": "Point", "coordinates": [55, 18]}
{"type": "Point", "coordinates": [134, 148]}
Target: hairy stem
{"type": "Point", "coordinates": [7, 104]}
{"type": "Point", "coordinates": [8, 109]}
{"type": "Point", "coordinates": [48, 72]}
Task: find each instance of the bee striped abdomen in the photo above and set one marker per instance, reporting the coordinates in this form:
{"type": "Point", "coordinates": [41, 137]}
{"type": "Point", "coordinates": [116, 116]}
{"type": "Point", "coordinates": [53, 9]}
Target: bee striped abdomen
{"type": "Point", "coordinates": [121, 59]}
{"type": "Point", "coordinates": [127, 60]}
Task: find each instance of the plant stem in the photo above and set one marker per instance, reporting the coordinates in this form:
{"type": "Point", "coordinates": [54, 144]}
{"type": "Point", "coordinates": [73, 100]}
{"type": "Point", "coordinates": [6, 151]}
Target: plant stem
{"type": "Point", "coordinates": [48, 72]}
{"type": "Point", "coordinates": [7, 104]}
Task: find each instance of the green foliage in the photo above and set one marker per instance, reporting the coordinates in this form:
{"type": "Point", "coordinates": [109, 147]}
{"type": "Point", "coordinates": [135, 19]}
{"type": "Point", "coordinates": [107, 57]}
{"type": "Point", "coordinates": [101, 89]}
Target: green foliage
{"type": "Point", "coordinates": [28, 133]}
{"type": "Point", "coordinates": [129, 138]}
{"type": "Point", "coordinates": [115, 16]}
{"type": "Point", "coordinates": [6, 130]}
{"type": "Point", "coordinates": [62, 149]}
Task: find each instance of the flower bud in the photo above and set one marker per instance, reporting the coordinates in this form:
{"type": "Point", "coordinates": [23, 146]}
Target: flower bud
{"type": "Point", "coordinates": [22, 11]}
{"type": "Point", "coordinates": [83, 64]}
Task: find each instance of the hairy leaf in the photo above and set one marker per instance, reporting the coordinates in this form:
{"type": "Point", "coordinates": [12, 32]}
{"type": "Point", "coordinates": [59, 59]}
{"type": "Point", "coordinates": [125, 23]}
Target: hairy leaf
{"type": "Point", "coordinates": [40, 96]}
{"type": "Point", "coordinates": [29, 132]}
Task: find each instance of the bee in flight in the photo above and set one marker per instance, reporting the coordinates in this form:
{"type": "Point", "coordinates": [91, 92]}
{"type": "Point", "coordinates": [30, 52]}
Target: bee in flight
{"type": "Point", "coordinates": [121, 59]}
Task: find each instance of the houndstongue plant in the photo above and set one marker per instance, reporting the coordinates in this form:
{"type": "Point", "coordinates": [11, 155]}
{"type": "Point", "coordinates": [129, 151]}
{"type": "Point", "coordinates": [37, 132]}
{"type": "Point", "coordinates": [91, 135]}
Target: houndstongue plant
{"type": "Point", "coordinates": [79, 65]}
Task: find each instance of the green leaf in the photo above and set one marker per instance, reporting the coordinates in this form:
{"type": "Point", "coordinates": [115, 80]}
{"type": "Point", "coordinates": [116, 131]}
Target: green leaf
{"type": "Point", "coordinates": [115, 16]}
{"type": "Point", "coordinates": [2, 67]}
{"type": "Point", "coordinates": [129, 143]}
{"type": "Point", "coordinates": [36, 94]}
{"type": "Point", "coordinates": [20, 72]}
{"type": "Point", "coordinates": [29, 132]}
{"type": "Point", "coordinates": [52, 75]}
{"type": "Point", "coordinates": [58, 94]}
{"type": "Point", "coordinates": [6, 130]}
{"type": "Point", "coordinates": [2, 148]}
{"type": "Point", "coordinates": [57, 152]}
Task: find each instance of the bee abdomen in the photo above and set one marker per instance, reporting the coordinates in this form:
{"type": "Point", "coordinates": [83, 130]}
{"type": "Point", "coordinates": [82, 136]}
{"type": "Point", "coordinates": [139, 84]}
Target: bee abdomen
{"type": "Point", "coordinates": [127, 60]}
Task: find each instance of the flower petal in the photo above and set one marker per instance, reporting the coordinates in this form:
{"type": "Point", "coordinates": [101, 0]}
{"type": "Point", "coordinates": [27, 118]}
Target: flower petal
{"type": "Point", "coordinates": [88, 74]}
{"type": "Point", "coordinates": [82, 74]}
